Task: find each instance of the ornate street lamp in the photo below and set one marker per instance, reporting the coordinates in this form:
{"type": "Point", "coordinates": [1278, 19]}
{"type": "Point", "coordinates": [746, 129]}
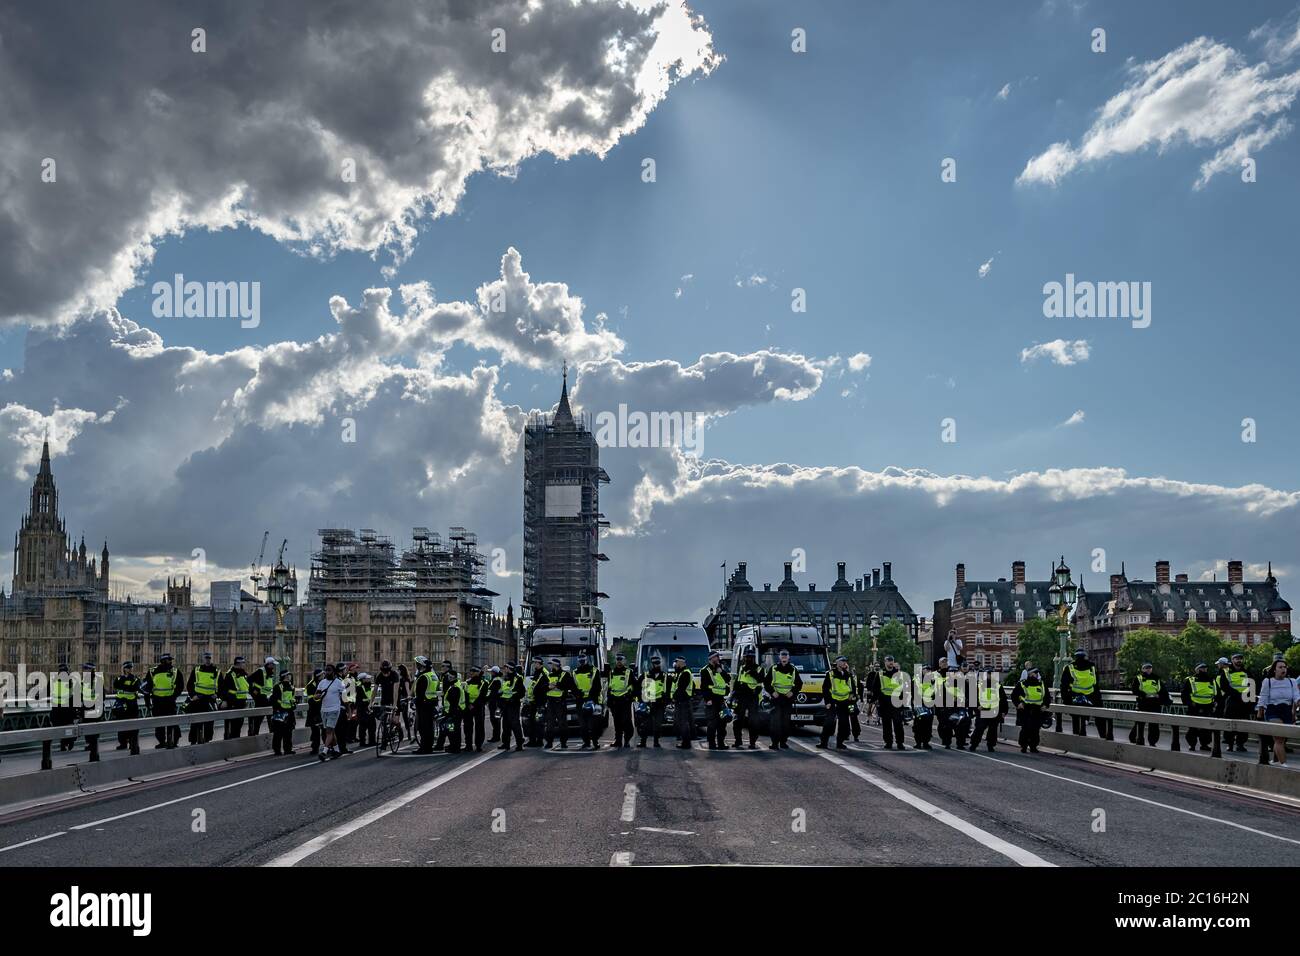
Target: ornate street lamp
{"type": "Point", "coordinates": [281, 595]}
{"type": "Point", "coordinates": [875, 647]}
{"type": "Point", "coordinates": [1062, 594]}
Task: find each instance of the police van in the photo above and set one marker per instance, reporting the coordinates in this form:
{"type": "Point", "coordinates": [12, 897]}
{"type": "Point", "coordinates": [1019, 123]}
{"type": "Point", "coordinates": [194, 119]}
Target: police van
{"type": "Point", "coordinates": [672, 639]}
{"type": "Point", "coordinates": [807, 653]}
{"type": "Point", "coordinates": [567, 641]}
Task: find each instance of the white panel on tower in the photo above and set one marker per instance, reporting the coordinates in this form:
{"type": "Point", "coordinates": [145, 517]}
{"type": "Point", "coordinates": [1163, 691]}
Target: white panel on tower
{"type": "Point", "coordinates": [563, 501]}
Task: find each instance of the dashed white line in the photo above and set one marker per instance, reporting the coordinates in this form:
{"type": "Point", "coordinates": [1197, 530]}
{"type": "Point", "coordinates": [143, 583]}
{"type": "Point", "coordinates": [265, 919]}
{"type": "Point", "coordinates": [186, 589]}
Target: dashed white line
{"type": "Point", "coordinates": [49, 836]}
{"type": "Point", "coordinates": [997, 844]}
{"type": "Point", "coordinates": [664, 830]}
{"type": "Point", "coordinates": [629, 803]}
{"type": "Point", "coordinates": [339, 832]}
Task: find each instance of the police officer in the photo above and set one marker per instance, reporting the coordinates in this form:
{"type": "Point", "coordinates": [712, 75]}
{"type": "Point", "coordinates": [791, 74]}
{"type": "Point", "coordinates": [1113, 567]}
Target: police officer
{"type": "Point", "coordinates": [162, 685]}
{"type": "Point", "coordinates": [1032, 700]}
{"type": "Point", "coordinates": [427, 691]}
{"type": "Point", "coordinates": [313, 709]}
{"type": "Point", "coordinates": [746, 690]}
{"type": "Point", "coordinates": [587, 680]}
{"type": "Point", "coordinates": [1079, 680]}
{"type": "Point", "coordinates": [993, 707]}
{"type": "Point", "coordinates": [619, 698]}
{"type": "Point", "coordinates": [494, 706]}
{"type": "Point", "coordinates": [476, 699]}
{"type": "Point", "coordinates": [715, 684]}
{"type": "Point", "coordinates": [554, 687]}
{"type": "Point", "coordinates": [681, 691]}
{"type": "Point", "coordinates": [365, 715]}
{"type": "Point", "coordinates": [261, 686]}
{"type": "Point", "coordinates": [944, 685]}
{"type": "Point", "coordinates": [284, 703]}
{"type": "Point", "coordinates": [126, 691]}
{"type": "Point", "coordinates": [1151, 697]}
{"type": "Point", "coordinates": [1201, 695]}
{"type": "Point", "coordinates": [888, 687]}
{"type": "Point", "coordinates": [923, 719]}
{"type": "Point", "coordinates": [652, 689]}
{"type": "Point", "coordinates": [840, 693]}
{"type": "Point", "coordinates": [782, 683]}
{"type": "Point", "coordinates": [506, 692]}
{"type": "Point", "coordinates": [346, 731]}
{"type": "Point", "coordinates": [1234, 689]}
{"type": "Point", "coordinates": [62, 713]}
{"type": "Point", "coordinates": [535, 714]}
{"type": "Point", "coordinates": [235, 691]}
{"type": "Point", "coordinates": [92, 701]}
{"type": "Point", "coordinates": [451, 719]}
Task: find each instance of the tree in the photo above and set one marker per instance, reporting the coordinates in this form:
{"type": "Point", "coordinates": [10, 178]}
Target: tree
{"type": "Point", "coordinates": [1282, 641]}
{"type": "Point", "coordinates": [1293, 659]}
{"type": "Point", "coordinates": [1200, 645]}
{"type": "Point", "coordinates": [858, 650]}
{"type": "Point", "coordinates": [1145, 645]}
{"type": "Point", "coordinates": [1038, 640]}
{"type": "Point", "coordinates": [893, 639]}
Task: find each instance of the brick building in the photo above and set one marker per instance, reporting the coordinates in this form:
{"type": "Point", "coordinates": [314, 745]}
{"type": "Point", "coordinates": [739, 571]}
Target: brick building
{"type": "Point", "coordinates": [986, 615]}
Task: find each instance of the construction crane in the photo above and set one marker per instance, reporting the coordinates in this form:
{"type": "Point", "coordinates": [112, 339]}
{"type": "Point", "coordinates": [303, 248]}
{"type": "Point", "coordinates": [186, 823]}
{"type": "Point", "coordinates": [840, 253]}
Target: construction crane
{"type": "Point", "coordinates": [257, 566]}
{"type": "Point", "coordinates": [279, 559]}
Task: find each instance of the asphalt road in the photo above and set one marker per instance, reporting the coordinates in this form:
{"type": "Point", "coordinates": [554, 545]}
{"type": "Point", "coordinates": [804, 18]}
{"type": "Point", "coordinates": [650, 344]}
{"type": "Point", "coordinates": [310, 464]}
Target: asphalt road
{"type": "Point", "coordinates": [802, 806]}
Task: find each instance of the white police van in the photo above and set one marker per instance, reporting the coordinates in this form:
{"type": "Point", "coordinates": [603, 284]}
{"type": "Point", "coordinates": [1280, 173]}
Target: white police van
{"type": "Point", "coordinates": [807, 653]}
{"type": "Point", "coordinates": [670, 640]}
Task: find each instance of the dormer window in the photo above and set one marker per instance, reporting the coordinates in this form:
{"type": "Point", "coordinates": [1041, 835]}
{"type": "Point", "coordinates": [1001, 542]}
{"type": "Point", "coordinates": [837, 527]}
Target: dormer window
{"type": "Point", "coordinates": [1212, 616]}
{"type": "Point", "coordinates": [1020, 616]}
{"type": "Point", "coordinates": [1254, 615]}
{"type": "Point", "coordinates": [1232, 615]}
{"type": "Point", "coordinates": [1191, 615]}
{"type": "Point", "coordinates": [997, 615]}
{"type": "Point", "coordinates": [1169, 615]}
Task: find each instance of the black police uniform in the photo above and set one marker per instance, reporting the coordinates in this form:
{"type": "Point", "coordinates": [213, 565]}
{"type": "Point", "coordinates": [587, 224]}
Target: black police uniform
{"type": "Point", "coordinates": [476, 700]}
{"type": "Point", "coordinates": [653, 716]}
{"type": "Point", "coordinates": [426, 707]}
{"type": "Point", "coordinates": [507, 694]}
{"type": "Point", "coordinates": [681, 690]}
{"type": "Point", "coordinates": [745, 691]}
{"type": "Point", "coordinates": [587, 718]}
{"type": "Point", "coordinates": [162, 686]}
{"type": "Point", "coordinates": [782, 706]}
{"type": "Point", "coordinates": [126, 691]}
{"type": "Point", "coordinates": [1032, 698]}
{"type": "Point", "coordinates": [620, 688]}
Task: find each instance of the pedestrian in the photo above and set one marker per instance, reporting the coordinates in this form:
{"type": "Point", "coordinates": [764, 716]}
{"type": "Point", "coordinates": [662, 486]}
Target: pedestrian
{"type": "Point", "coordinates": [284, 705]}
{"type": "Point", "coordinates": [1278, 700]}
{"type": "Point", "coordinates": [715, 684]}
{"type": "Point", "coordinates": [620, 691]}
{"type": "Point", "coordinates": [494, 706]}
{"type": "Point", "coordinates": [234, 691]}
{"type": "Point", "coordinates": [92, 702]}
{"type": "Point", "coordinates": [314, 697]}
{"type": "Point", "coordinates": [365, 722]}
{"type": "Point", "coordinates": [476, 698]}
{"type": "Point", "coordinates": [261, 687]}
{"type": "Point", "coordinates": [681, 691]}
{"type": "Point", "coordinates": [162, 685]}
{"type": "Point", "coordinates": [1201, 698]}
{"type": "Point", "coordinates": [1235, 693]}
{"type": "Point", "coordinates": [782, 683]}
{"type": "Point", "coordinates": [507, 692]}
{"type": "Point", "coordinates": [405, 688]}
{"type": "Point", "coordinates": [126, 691]}
{"type": "Point", "coordinates": [652, 692]}
{"type": "Point", "coordinates": [447, 679]}
{"type": "Point", "coordinates": [330, 689]}
{"type": "Point", "coordinates": [1032, 700]}
{"type": "Point", "coordinates": [347, 725]}
{"type": "Point", "coordinates": [1152, 697]}
{"type": "Point", "coordinates": [840, 693]}
{"type": "Point", "coordinates": [993, 707]}
{"type": "Point", "coordinates": [427, 691]}
{"type": "Point", "coordinates": [746, 690]}
{"type": "Point", "coordinates": [62, 713]}
{"type": "Point", "coordinates": [534, 707]}
{"type": "Point", "coordinates": [889, 688]}
{"type": "Point", "coordinates": [587, 681]}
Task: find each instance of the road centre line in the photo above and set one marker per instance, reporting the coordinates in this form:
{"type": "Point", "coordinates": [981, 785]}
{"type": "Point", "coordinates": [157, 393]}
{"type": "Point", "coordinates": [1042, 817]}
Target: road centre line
{"type": "Point", "coordinates": [629, 803]}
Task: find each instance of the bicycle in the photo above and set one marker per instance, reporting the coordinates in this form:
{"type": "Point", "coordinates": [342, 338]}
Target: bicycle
{"type": "Point", "coordinates": [391, 733]}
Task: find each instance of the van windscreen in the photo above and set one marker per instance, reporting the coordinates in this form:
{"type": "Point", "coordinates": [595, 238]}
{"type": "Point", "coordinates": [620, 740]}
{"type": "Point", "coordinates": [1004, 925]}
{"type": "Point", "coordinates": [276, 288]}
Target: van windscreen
{"type": "Point", "coordinates": [696, 655]}
{"type": "Point", "coordinates": [809, 660]}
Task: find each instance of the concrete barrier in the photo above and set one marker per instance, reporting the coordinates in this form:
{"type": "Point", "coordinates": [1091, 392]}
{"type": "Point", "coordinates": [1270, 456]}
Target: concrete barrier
{"type": "Point", "coordinates": [89, 777]}
{"type": "Point", "coordinates": [1267, 778]}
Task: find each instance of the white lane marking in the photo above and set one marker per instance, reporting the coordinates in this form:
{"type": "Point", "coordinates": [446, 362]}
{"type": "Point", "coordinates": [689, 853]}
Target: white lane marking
{"type": "Point", "coordinates": [629, 803]}
{"type": "Point", "coordinates": [194, 796]}
{"type": "Point", "coordinates": [16, 846]}
{"type": "Point", "coordinates": [997, 844]}
{"type": "Point", "coordinates": [316, 844]}
{"type": "Point", "coordinates": [622, 858]}
{"type": "Point", "coordinates": [663, 830]}
{"type": "Point", "coordinates": [1130, 796]}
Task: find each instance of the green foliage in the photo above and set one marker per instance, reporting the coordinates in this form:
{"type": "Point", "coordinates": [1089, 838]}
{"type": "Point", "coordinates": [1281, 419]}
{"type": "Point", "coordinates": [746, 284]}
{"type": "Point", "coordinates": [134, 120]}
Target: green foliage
{"type": "Point", "coordinates": [893, 639]}
{"type": "Point", "coordinates": [1200, 646]}
{"type": "Point", "coordinates": [1038, 640]}
{"type": "Point", "coordinates": [1165, 653]}
{"type": "Point", "coordinates": [1282, 641]}
{"type": "Point", "coordinates": [1293, 660]}
{"type": "Point", "coordinates": [858, 650]}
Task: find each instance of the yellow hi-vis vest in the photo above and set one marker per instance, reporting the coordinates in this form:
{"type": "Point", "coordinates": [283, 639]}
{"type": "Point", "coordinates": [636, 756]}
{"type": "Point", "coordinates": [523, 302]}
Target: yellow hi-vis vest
{"type": "Point", "coordinates": [653, 688]}
{"type": "Point", "coordinates": [205, 681]}
{"type": "Point", "coordinates": [1082, 681]}
{"type": "Point", "coordinates": [1202, 691]}
{"type": "Point", "coordinates": [1032, 693]}
{"type": "Point", "coordinates": [127, 692]}
{"type": "Point", "coordinates": [431, 686]}
{"type": "Point", "coordinates": [889, 684]}
{"type": "Point", "coordinates": [1238, 680]}
{"type": "Point", "coordinates": [61, 692]}
{"type": "Point", "coordinates": [241, 685]}
{"type": "Point", "coordinates": [553, 684]}
{"type": "Point", "coordinates": [685, 677]}
{"type": "Point", "coordinates": [717, 682]}
{"type": "Point", "coordinates": [929, 691]}
{"type": "Point", "coordinates": [1149, 687]}
{"type": "Point", "coordinates": [288, 698]}
{"type": "Point", "coordinates": [782, 682]}
{"type": "Point", "coordinates": [841, 687]}
{"type": "Point", "coordinates": [989, 697]}
{"type": "Point", "coordinates": [620, 682]}
{"type": "Point", "coordinates": [164, 683]}
{"type": "Point", "coordinates": [473, 689]}
{"type": "Point", "coordinates": [752, 681]}
{"type": "Point", "coordinates": [268, 684]}
{"type": "Point", "coordinates": [584, 680]}
{"type": "Point", "coordinates": [507, 687]}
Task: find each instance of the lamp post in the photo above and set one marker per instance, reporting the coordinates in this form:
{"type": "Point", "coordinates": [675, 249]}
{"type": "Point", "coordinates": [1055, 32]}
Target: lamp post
{"type": "Point", "coordinates": [1062, 594]}
{"type": "Point", "coordinates": [875, 647]}
{"type": "Point", "coordinates": [280, 595]}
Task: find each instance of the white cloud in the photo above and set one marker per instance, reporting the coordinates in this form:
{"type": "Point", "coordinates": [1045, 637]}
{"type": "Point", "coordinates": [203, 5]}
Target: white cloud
{"type": "Point", "coordinates": [859, 361]}
{"type": "Point", "coordinates": [1058, 351]}
{"type": "Point", "coordinates": [1075, 419]}
{"type": "Point", "coordinates": [1204, 93]}
{"type": "Point", "coordinates": [411, 91]}
{"type": "Point", "coordinates": [986, 268]}
{"type": "Point", "coordinates": [1004, 92]}
{"type": "Point", "coordinates": [754, 281]}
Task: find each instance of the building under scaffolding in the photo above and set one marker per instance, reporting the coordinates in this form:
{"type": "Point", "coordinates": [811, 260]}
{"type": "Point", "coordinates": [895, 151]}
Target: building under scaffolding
{"type": "Point", "coordinates": [562, 519]}
{"type": "Point", "coordinates": [430, 599]}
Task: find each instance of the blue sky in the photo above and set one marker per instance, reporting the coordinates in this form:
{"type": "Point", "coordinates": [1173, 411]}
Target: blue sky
{"type": "Point", "coordinates": [821, 171]}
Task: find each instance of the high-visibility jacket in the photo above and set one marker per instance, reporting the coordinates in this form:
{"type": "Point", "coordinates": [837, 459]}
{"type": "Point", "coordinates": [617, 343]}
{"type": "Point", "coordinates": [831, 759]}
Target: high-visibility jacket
{"type": "Point", "coordinates": [1238, 680]}
{"type": "Point", "coordinates": [717, 681]}
{"type": "Point", "coordinates": [239, 683]}
{"type": "Point", "coordinates": [288, 698]}
{"type": "Point", "coordinates": [506, 686]}
{"type": "Point", "coordinates": [782, 682]}
{"type": "Point", "coordinates": [1149, 686]}
{"type": "Point", "coordinates": [841, 687]}
{"type": "Point", "coordinates": [61, 692]}
{"type": "Point", "coordinates": [472, 689]}
{"type": "Point", "coordinates": [929, 691]}
{"type": "Point", "coordinates": [989, 697]}
{"type": "Point", "coordinates": [553, 684]}
{"type": "Point", "coordinates": [653, 687]}
{"type": "Point", "coordinates": [457, 706]}
{"type": "Point", "coordinates": [889, 683]}
{"type": "Point", "coordinates": [620, 682]}
{"type": "Point", "coordinates": [125, 687]}
{"type": "Point", "coordinates": [684, 679]}
{"type": "Point", "coordinates": [584, 680]}
{"type": "Point", "coordinates": [364, 693]}
{"type": "Point", "coordinates": [431, 685]}
{"type": "Point", "coordinates": [164, 683]}
{"type": "Point", "coordinates": [205, 680]}
{"type": "Point", "coordinates": [1202, 691]}
{"type": "Point", "coordinates": [750, 680]}
{"type": "Point", "coordinates": [1082, 680]}
{"type": "Point", "coordinates": [1032, 693]}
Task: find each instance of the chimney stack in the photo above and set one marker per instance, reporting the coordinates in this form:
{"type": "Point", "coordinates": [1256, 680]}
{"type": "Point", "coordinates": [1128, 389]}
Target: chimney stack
{"type": "Point", "coordinates": [1116, 582]}
{"type": "Point", "coordinates": [961, 575]}
{"type": "Point", "coordinates": [887, 576]}
{"type": "Point", "coordinates": [1162, 575]}
{"type": "Point", "coordinates": [1180, 579]}
{"type": "Point", "coordinates": [1018, 576]}
{"type": "Point", "coordinates": [875, 577]}
{"type": "Point", "coordinates": [812, 587]}
{"type": "Point", "coordinates": [1234, 576]}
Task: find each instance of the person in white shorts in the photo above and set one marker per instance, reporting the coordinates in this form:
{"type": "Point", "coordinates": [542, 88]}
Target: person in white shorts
{"type": "Point", "coordinates": [331, 706]}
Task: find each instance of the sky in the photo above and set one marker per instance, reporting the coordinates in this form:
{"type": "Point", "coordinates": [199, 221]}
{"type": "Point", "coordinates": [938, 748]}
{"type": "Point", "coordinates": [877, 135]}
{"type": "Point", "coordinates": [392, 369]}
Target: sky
{"type": "Point", "coordinates": [921, 408]}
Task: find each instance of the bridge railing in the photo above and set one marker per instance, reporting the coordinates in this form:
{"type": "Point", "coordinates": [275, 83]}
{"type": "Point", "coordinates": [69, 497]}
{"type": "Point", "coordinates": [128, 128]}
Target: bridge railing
{"type": "Point", "coordinates": [92, 730]}
{"type": "Point", "coordinates": [1217, 726]}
